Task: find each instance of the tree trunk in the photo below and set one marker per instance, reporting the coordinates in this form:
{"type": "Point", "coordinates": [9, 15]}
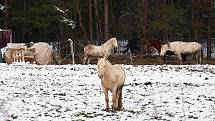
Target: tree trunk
{"type": "Point", "coordinates": [80, 20]}
{"type": "Point", "coordinates": [23, 29]}
{"type": "Point", "coordinates": [209, 30]}
{"type": "Point", "coordinates": [209, 46]}
{"type": "Point", "coordinates": [98, 32]}
{"type": "Point", "coordinates": [90, 20]}
{"type": "Point", "coordinates": [145, 28]}
{"type": "Point", "coordinates": [6, 14]}
{"type": "Point", "coordinates": [106, 28]}
{"type": "Point", "coordinates": [113, 22]}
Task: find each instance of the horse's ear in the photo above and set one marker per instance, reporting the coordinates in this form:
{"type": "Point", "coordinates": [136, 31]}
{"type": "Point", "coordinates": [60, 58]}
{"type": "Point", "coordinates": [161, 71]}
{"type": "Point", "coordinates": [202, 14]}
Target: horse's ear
{"type": "Point", "coordinates": [168, 44]}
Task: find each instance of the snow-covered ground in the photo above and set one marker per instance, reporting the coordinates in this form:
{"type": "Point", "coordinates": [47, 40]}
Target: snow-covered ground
{"type": "Point", "coordinates": [73, 92]}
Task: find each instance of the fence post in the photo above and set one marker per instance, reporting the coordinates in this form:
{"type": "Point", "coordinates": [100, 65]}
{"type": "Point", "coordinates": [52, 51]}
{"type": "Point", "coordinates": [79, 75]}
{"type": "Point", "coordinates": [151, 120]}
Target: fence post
{"type": "Point", "coordinates": [72, 51]}
{"type": "Point", "coordinates": [130, 54]}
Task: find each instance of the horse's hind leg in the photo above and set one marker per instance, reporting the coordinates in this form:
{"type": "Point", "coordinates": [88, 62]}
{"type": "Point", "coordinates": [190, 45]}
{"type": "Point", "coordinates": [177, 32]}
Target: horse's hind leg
{"type": "Point", "coordinates": [117, 99]}
{"type": "Point", "coordinates": [197, 56]}
{"type": "Point", "coordinates": [114, 100]}
{"type": "Point", "coordinates": [120, 99]}
{"type": "Point", "coordinates": [180, 58]}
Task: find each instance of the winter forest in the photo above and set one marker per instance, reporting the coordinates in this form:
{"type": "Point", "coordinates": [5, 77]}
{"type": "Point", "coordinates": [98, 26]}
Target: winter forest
{"type": "Point", "coordinates": [94, 21]}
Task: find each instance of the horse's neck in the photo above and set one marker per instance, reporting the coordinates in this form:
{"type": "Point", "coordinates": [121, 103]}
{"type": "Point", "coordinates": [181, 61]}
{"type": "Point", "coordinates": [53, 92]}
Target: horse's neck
{"type": "Point", "coordinates": [108, 63]}
{"type": "Point", "coordinates": [107, 44]}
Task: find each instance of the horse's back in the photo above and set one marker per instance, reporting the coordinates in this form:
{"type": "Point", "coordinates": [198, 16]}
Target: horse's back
{"type": "Point", "coordinates": [120, 72]}
{"type": "Point", "coordinates": [193, 46]}
{"type": "Point", "coordinates": [92, 50]}
{"type": "Point", "coordinates": [89, 47]}
{"type": "Point", "coordinates": [183, 47]}
{"type": "Point", "coordinates": [115, 74]}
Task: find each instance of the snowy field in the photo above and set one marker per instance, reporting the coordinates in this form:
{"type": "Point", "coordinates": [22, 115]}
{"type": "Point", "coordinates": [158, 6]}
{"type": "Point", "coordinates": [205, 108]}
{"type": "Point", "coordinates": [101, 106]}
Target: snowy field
{"type": "Point", "coordinates": [73, 92]}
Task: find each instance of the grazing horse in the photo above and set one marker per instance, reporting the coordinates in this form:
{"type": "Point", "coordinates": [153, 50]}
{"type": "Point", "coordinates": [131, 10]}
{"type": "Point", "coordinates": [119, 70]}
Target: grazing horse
{"type": "Point", "coordinates": [112, 78]}
{"type": "Point", "coordinates": [179, 48]}
{"type": "Point", "coordinates": [99, 51]}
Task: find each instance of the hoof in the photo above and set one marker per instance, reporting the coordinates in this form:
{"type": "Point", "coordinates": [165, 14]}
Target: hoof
{"type": "Point", "coordinates": [107, 110]}
{"type": "Point", "coordinates": [114, 109]}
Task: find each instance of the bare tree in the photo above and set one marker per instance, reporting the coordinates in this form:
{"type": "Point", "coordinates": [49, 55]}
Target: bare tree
{"type": "Point", "coordinates": [145, 28]}
{"type": "Point", "coordinates": [23, 29]}
{"type": "Point", "coordinates": [106, 28]}
{"type": "Point", "coordinates": [98, 28]}
{"type": "Point", "coordinates": [209, 6]}
{"type": "Point", "coordinates": [77, 3]}
{"type": "Point", "coordinates": [90, 20]}
{"type": "Point", "coordinates": [6, 13]}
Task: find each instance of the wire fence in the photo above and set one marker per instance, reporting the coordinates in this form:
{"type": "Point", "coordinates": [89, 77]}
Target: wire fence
{"type": "Point", "coordinates": [63, 51]}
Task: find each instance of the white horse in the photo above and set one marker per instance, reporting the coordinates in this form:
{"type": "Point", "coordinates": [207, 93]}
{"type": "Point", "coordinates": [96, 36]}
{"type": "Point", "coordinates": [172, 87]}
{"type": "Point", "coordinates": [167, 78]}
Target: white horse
{"type": "Point", "coordinates": [113, 79]}
{"type": "Point", "coordinates": [102, 51]}
{"type": "Point", "coordinates": [179, 48]}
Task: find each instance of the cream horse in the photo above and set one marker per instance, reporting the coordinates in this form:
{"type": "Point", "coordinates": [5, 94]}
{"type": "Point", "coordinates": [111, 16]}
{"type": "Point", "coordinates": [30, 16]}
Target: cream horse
{"type": "Point", "coordinates": [179, 48]}
{"type": "Point", "coordinates": [102, 51]}
{"type": "Point", "coordinates": [112, 78]}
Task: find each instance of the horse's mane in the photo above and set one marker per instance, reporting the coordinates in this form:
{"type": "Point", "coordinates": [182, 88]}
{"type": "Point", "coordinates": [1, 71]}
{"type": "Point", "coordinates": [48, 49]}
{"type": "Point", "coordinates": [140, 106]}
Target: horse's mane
{"type": "Point", "coordinates": [104, 62]}
{"type": "Point", "coordinates": [107, 42]}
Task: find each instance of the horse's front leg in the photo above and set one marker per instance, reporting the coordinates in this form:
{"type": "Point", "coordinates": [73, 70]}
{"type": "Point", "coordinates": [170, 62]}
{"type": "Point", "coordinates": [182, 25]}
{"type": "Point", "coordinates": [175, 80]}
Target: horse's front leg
{"type": "Point", "coordinates": [88, 60]}
{"type": "Point", "coordinates": [85, 59]}
{"type": "Point", "coordinates": [106, 99]}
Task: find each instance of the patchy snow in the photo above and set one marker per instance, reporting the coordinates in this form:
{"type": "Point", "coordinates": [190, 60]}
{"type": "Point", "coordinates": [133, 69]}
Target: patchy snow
{"type": "Point", "coordinates": [63, 17]}
{"type": "Point", "coordinates": [60, 10]}
{"type": "Point", "coordinates": [69, 22]}
{"type": "Point", "coordinates": [73, 92]}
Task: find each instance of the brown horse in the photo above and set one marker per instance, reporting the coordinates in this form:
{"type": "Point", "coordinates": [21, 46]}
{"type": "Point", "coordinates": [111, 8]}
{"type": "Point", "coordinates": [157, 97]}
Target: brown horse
{"type": "Point", "coordinates": [112, 78]}
{"type": "Point", "coordinates": [154, 43]}
{"type": "Point", "coordinates": [99, 51]}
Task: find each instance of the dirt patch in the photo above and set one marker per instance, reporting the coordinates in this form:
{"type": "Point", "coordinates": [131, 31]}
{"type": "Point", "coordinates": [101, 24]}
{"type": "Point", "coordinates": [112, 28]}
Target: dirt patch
{"type": "Point", "coordinates": [144, 60]}
{"type": "Point", "coordinates": [151, 60]}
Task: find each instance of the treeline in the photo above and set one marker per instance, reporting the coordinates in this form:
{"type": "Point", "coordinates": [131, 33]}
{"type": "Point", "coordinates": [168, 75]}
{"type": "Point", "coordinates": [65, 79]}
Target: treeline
{"type": "Point", "coordinates": [94, 21]}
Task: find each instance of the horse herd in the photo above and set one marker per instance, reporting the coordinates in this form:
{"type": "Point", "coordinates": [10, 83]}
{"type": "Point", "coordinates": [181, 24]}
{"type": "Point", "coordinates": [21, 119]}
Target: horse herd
{"type": "Point", "coordinates": [178, 48]}
{"type": "Point", "coordinates": [113, 76]}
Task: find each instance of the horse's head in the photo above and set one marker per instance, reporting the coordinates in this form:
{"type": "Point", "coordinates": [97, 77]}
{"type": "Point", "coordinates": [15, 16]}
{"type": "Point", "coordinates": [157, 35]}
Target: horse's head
{"type": "Point", "coordinates": [102, 62]}
{"type": "Point", "coordinates": [114, 42]}
{"type": "Point", "coordinates": [164, 48]}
